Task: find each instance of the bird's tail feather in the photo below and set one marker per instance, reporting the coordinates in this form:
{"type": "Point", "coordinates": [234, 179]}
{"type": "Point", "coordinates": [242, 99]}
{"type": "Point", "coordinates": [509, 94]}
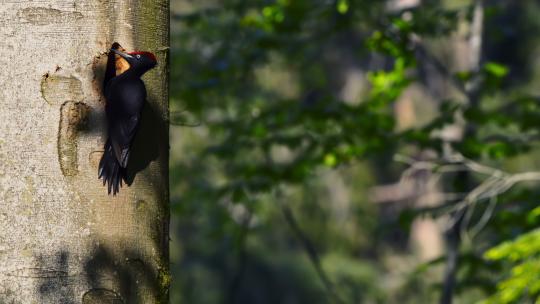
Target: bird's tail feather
{"type": "Point", "coordinates": [110, 170]}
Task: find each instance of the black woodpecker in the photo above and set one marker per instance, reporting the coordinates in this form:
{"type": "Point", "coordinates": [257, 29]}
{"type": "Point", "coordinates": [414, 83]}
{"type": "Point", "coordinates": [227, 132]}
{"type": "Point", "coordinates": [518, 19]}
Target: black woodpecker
{"type": "Point", "coordinates": [125, 96]}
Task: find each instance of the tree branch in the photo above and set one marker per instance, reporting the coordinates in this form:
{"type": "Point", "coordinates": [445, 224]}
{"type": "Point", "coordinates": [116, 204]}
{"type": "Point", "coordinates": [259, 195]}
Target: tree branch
{"type": "Point", "coordinates": [310, 251]}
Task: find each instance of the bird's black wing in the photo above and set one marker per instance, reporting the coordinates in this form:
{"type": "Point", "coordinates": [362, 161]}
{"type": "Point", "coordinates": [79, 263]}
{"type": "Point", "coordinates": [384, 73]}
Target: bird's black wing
{"type": "Point", "coordinates": [121, 134]}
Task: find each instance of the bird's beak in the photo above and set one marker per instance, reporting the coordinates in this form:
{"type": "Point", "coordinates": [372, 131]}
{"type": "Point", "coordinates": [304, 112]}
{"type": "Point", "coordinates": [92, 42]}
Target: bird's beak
{"type": "Point", "coordinates": [122, 54]}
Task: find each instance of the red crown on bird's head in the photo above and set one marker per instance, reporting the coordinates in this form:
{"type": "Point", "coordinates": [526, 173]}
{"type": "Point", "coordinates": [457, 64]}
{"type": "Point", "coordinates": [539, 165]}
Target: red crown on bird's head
{"type": "Point", "coordinates": [147, 54]}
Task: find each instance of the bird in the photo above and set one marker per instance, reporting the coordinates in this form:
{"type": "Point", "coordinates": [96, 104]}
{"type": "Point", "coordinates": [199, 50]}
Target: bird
{"type": "Point", "coordinates": [125, 96]}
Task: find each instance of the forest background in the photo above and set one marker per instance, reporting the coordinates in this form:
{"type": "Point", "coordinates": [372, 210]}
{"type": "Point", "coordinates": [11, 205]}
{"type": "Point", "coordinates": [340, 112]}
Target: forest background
{"type": "Point", "coordinates": [355, 151]}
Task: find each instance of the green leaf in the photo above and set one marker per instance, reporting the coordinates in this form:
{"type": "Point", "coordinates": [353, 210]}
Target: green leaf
{"type": "Point", "coordinates": [533, 216]}
{"type": "Point", "coordinates": [527, 245]}
{"type": "Point", "coordinates": [523, 281]}
{"type": "Point", "coordinates": [342, 6]}
{"type": "Point", "coordinates": [330, 160]}
{"type": "Point", "coordinates": [495, 69]}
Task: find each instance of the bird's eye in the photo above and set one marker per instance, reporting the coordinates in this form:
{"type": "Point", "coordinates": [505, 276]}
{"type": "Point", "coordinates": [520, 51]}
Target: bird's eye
{"type": "Point", "coordinates": [138, 56]}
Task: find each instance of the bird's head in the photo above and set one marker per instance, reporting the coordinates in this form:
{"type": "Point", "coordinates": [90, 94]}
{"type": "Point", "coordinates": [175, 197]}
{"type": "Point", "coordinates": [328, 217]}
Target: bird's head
{"type": "Point", "coordinates": [140, 62]}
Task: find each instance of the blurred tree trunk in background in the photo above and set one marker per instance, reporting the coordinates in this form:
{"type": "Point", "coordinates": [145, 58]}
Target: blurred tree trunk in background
{"type": "Point", "coordinates": [463, 53]}
{"type": "Point", "coordinates": [62, 238]}
{"type": "Point", "coordinates": [468, 56]}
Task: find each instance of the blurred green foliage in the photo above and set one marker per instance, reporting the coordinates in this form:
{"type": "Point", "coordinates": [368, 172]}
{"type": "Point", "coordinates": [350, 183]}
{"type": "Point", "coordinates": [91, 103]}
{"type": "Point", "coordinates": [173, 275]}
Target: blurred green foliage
{"type": "Point", "coordinates": [263, 124]}
{"type": "Point", "coordinates": [522, 283]}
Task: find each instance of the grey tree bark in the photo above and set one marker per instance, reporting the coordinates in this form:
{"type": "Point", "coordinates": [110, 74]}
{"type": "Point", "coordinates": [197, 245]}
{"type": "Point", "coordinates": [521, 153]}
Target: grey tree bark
{"type": "Point", "coordinates": [62, 238]}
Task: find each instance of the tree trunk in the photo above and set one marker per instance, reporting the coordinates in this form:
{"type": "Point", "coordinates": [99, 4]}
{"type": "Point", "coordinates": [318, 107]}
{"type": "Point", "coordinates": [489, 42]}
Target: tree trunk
{"type": "Point", "coordinates": [62, 238]}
